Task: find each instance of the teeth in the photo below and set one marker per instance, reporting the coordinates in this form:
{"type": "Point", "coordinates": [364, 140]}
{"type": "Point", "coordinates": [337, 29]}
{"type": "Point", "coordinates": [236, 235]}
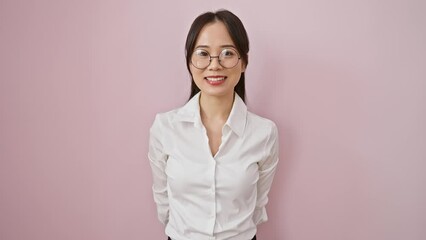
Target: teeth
{"type": "Point", "coordinates": [215, 79]}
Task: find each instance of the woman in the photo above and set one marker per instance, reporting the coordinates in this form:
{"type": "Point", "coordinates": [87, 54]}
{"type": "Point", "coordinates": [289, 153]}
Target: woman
{"type": "Point", "coordinates": [212, 160]}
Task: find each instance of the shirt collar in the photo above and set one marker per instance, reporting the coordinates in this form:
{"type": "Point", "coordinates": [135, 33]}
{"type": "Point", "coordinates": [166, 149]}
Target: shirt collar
{"type": "Point", "coordinates": [190, 112]}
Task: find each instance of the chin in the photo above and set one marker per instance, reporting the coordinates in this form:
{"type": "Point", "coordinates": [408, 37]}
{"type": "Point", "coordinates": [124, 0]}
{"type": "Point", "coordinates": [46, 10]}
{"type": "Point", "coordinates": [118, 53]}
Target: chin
{"type": "Point", "coordinates": [215, 93]}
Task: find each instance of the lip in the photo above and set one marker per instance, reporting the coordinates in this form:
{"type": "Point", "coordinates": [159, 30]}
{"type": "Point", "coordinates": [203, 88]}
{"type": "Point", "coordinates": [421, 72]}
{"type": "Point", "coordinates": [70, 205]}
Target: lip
{"type": "Point", "coordinates": [212, 80]}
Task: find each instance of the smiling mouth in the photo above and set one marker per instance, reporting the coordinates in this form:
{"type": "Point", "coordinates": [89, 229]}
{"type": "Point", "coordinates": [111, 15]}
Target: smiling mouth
{"type": "Point", "coordinates": [215, 79]}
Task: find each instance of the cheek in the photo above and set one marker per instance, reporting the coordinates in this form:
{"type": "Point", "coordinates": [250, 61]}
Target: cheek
{"type": "Point", "coordinates": [237, 73]}
{"type": "Point", "coordinates": [196, 74]}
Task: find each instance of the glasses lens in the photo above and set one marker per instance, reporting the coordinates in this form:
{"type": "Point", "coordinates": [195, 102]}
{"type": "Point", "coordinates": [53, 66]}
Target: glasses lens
{"type": "Point", "coordinates": [200, 58]}
{"type": "Point", "coordinates": [229, 58]}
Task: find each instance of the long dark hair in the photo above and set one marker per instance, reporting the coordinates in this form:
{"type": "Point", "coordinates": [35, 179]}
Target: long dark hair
{"type": "Point", "coordinates": [238, 35]}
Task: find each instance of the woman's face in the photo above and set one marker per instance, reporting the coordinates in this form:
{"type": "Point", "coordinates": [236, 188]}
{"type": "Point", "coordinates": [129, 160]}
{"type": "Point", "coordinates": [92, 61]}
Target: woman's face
{"type": "Point", "coordinates": [215, 80]}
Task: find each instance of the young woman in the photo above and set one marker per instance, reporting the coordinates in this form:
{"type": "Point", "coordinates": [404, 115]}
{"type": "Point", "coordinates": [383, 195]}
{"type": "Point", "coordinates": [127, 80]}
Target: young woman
{"type": "Point", "coordinates": [212, 160]}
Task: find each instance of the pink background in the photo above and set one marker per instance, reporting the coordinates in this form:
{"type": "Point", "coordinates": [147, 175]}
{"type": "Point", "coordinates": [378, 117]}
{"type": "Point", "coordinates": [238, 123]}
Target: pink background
{"type": "Point", "coordinates": [81, 82]}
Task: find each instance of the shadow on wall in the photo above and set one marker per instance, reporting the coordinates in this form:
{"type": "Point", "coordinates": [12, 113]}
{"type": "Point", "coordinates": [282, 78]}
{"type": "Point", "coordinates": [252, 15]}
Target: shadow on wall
{"type": "Point", "coordinates": [308, 99]}
{"type": "Point", "coordinates": [272, 105]}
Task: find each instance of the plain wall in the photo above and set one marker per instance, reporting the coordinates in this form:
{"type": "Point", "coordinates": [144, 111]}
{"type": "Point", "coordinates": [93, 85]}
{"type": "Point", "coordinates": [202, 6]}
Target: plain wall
{"type": "Point", "coordinates": [81, 82]}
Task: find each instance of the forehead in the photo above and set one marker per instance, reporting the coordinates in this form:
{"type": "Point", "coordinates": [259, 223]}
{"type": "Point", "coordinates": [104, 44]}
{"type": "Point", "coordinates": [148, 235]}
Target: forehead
{"type": "Point", "coordinates": [214, 35]}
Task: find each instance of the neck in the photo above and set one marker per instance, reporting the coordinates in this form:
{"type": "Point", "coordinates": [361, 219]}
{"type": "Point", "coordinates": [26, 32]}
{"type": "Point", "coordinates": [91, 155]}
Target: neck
{"type": "Point", "coordinates": [216, 108]}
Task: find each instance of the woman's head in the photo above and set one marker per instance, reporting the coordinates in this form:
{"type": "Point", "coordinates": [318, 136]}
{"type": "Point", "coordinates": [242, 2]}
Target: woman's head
{"type": "Point", "coordinates": [218, 34]}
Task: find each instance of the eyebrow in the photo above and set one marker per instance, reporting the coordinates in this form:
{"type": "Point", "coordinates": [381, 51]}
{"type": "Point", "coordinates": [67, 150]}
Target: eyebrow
{"type": "Point", "coordinates": [222, 46]}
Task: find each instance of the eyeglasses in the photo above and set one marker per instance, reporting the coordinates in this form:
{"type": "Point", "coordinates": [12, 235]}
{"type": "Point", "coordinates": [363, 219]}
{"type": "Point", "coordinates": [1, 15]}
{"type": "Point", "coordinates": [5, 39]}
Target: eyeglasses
{"type": "Point", "coordinates": [228, 58]}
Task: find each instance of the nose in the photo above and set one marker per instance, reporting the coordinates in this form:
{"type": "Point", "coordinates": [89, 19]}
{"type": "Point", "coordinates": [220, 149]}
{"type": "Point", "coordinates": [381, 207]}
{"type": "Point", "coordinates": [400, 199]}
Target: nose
{"type": "Point", "coordinates": [214, 64]}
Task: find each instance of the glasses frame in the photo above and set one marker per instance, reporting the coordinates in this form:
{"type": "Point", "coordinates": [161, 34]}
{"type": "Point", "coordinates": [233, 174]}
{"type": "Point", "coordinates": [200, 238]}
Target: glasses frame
{"type": "Point", "coordinates": [218, 59]}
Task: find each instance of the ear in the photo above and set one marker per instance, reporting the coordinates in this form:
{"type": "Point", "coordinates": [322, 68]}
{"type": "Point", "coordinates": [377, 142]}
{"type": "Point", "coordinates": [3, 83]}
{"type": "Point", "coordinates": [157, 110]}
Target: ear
{"type": "Point", "coordinates": [243, 68]}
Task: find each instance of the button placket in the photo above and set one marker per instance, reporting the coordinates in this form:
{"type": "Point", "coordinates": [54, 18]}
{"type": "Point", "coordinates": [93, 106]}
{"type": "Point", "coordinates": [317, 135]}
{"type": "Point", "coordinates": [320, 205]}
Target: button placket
{"type": "Point", "coordinates": [213, 190]}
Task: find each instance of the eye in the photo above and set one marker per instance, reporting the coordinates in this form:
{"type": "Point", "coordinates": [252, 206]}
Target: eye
{"type": "Point", "coordinates": [228, 53]}
{"type": "Point", "coordinates": [201, 53]}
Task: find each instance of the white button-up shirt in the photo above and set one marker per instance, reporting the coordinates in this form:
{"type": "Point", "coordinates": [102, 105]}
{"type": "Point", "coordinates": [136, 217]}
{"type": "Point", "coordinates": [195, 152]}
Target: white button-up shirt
{"type": "Point", "coordinates": [200, 196]}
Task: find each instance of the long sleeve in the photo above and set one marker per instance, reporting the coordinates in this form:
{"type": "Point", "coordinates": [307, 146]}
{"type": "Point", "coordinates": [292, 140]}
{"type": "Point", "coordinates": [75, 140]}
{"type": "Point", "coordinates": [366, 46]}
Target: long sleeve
{"type": "Point", "coordinates": [158, 161]}
{"type": "Point", "coordinates": [267, 168]}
